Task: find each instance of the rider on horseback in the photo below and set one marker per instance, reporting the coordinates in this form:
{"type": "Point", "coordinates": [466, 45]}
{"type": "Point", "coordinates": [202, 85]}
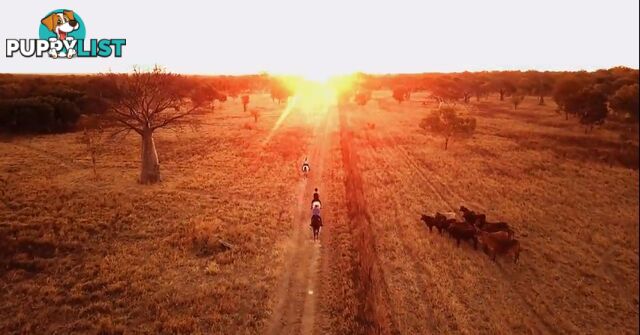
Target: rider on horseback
{"type": "Point", "coordinates": [316, 199]}
{"type": "Point", "coordinates": [305, 166]}
{"type": "Point", "coordinates": [316, 220]}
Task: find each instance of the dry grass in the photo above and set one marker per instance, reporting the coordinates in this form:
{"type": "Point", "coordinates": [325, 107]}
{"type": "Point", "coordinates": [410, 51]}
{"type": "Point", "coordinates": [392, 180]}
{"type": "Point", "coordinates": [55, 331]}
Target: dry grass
{"type": "Point", "coordinates": [113, 256]}
{"type": "Point", "coordinates": [576, 216]}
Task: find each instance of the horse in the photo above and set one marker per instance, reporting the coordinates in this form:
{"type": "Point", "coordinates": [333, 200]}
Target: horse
{"type": "Point", "coordinates": [316, 225]}
{"type": "Point", "coordinates": [305, 170]}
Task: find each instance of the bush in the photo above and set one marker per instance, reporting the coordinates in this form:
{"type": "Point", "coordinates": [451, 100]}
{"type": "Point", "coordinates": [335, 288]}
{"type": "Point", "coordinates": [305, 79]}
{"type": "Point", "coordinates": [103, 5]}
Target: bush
{"type": "Point", "coordinates": [446, 122]}
{"type": "Point", "coordinates": [38, 115]}
{"type": "Point", "coordinates": [362, 98]}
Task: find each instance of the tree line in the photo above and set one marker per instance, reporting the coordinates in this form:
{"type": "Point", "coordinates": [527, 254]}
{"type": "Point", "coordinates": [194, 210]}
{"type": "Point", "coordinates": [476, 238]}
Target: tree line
{"type": "Point", "coordinates": [591, 97]}
{"type": "Point", "coordinates": [55, 103]}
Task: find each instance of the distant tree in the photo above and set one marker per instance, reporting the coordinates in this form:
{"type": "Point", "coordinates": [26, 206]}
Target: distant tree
{"type": "Point", "coordinates": [245, 102]}
{"type": "Point", "coordinates": [516, 100]}
{"type": "Point", "coordinates": [594, 108]}
{"type": "Point", "coordinates": [625, 101]}
{"type": "Point", "coordinates": [90, 104]}
{"type": "Point", "coordinates": [146, 101]}
{"type": "Point", "coordinates": [280, 92]}
{"type": "Point", "coordinates": [447, 89]}
{"type": "Point", "coordinates": [504, 86]}
{"type": "Point", "coordinates": [205, 96]}
{"type": "Point", "coordinates": [401, 94]}
{"type": "Point", "coordinates": [543, 86]}
{"type": "Point", "coordinates": [447, 123]}
{"type": "Point", "coordinates": [566, 94]}
{"type": "Point", "coordinates": [66, 114]}
{"type": "Point", "coordinates": [478, 87]}
{"type": "Point", "coordinates": [256, 114]}
{"type": "Point", "coordinates": [590, 105]}
{"type": "Point", "coordinates": [361, 98]}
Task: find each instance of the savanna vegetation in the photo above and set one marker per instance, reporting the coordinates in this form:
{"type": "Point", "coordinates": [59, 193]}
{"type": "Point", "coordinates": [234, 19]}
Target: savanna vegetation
{"type": "Point", "coordinates": [219, 243]}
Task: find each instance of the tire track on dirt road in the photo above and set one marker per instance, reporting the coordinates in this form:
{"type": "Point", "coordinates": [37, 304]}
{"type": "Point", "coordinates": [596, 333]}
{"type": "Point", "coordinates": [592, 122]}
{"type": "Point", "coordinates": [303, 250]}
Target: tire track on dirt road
{"type": "Point", "coordinates": [295, 308]}
{"type": "Point", "coordinates": [373, 315]}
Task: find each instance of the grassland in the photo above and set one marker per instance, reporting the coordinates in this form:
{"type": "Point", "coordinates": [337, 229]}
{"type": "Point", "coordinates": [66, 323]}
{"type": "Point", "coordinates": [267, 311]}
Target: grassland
{"type": "Point", "coordinates": [575, 213]}
{"type": "Point", "coordinates": [80, 255]}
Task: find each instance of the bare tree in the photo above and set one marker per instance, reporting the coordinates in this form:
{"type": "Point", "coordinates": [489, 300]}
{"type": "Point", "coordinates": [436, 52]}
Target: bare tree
{"type": "Point", "coordinates": [149, 100]}
{"type": "Point", "coordinates": [256, 114]}
{"type": "Point", "coordinates": [516, 100]}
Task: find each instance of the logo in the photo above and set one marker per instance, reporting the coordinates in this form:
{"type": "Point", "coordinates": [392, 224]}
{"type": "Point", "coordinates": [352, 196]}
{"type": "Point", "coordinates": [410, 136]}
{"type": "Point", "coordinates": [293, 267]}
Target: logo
{"type": "Point", "coordinates": [62, 36]}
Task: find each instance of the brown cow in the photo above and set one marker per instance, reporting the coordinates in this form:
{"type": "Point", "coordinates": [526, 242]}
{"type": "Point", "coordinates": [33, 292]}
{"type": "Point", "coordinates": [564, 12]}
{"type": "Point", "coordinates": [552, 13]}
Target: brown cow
{"type": "Point", "coordinates": [492, 227]}
{"type": "Point", "coordinates": [463, 231]}
{"type": "Point", "coordinates": [471, 216]}
{"type": "Point", "coordinates": [430, 221]}
{"type": "Point", "coordinates": [500, 243]}
{"type": "Point", "coordinates": [439, 221]}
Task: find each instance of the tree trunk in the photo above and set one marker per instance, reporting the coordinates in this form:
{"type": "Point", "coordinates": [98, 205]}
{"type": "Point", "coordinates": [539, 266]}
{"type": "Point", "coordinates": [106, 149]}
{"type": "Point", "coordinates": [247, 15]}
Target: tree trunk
{"type": "Point", "coordinates": [501, 95]}
{"type": "Point", "coordinates": [446, 142]}
{"type": "Point", "coordinates": [244, 106]}
{"type": "Point", "coordinates": [541, 101]}
{"type": "Point", "coordinates": [150, 172]}
{"type": "Point", "coordinates": [566, 115]}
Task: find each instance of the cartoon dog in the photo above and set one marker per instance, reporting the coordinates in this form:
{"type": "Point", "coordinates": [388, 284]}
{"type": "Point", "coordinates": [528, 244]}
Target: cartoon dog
{"type": "Point", "coordinates": [61, 24]}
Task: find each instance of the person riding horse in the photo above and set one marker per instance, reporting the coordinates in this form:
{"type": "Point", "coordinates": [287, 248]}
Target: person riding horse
{"type": "Point", "coordinates": [305, 167]}
{"type": "Point", "coordinates": [316, 226]}
{"type": "Point", "coordinates": [316, 199]}
{"type": "Point", "coordinates": [316, 219]}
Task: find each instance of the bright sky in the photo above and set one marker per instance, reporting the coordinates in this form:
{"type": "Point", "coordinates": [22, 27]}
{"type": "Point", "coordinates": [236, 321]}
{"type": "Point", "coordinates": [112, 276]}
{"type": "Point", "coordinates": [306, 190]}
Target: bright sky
{"type": "Point", "coordinates": [324, 37]}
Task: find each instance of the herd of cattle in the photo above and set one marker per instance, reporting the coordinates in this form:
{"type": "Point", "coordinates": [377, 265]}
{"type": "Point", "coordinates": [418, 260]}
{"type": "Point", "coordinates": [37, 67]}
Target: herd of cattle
{"type": "Point", "coordinates": [496, 237]}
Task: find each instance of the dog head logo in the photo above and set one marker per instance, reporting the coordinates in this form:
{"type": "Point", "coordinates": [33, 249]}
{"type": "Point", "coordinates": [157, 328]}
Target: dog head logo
{"type": "Point", "coordinates": [62, 36]}
{"type": "Point", "coordinates": [60, 24]}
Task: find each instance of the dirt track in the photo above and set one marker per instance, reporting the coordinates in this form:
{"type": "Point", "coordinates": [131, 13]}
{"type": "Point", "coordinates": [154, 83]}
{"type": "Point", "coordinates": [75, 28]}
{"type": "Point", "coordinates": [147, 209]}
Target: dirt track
{"type": "Point", "coordinates": [295, 310]}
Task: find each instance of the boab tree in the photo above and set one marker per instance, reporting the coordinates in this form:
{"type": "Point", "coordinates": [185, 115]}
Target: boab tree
{"type": "Point", "coordinates": [146, 101]}
{"type": "Point", "coordinates": [447, 123]}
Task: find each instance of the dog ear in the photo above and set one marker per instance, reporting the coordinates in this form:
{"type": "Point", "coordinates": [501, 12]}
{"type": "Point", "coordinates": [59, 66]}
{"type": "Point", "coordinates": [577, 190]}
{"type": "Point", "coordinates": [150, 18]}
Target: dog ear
{"type": "Point", "coordinates": [50, 21]}
{"type": "Point", "coordinates": [68, 14]}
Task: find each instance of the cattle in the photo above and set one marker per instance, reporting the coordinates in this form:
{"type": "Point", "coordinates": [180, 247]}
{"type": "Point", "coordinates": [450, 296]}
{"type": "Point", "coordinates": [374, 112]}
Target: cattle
{"type": "Point", "coordinates": [471, 216]}
{"type": "Point", "coordinates": [492, 227]}
{"type": "Point", "coordinates": [499, 243]}
{"type": "Point", "coordinates": [439, 221]}
{"type": "Point", "coordinates": [430, 221]}
{"type": "Point", "coordinates": [463, 231]}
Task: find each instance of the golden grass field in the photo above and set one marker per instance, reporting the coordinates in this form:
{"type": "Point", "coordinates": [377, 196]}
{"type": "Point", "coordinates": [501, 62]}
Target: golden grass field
{"type": "Point", "coordinates": [85, 255]}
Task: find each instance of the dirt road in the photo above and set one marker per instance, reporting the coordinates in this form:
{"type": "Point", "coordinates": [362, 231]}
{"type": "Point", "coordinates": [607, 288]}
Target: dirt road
{"type": "Point", "coordinates": [295, 310]}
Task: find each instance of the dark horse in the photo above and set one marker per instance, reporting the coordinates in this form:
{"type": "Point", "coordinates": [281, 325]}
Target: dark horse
{"type": "Point", "coordinates": [316, 224]}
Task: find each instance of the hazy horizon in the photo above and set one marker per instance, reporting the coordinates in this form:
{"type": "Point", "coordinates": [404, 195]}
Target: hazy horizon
{"type": "Point", "coordinates": [319, 39]}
